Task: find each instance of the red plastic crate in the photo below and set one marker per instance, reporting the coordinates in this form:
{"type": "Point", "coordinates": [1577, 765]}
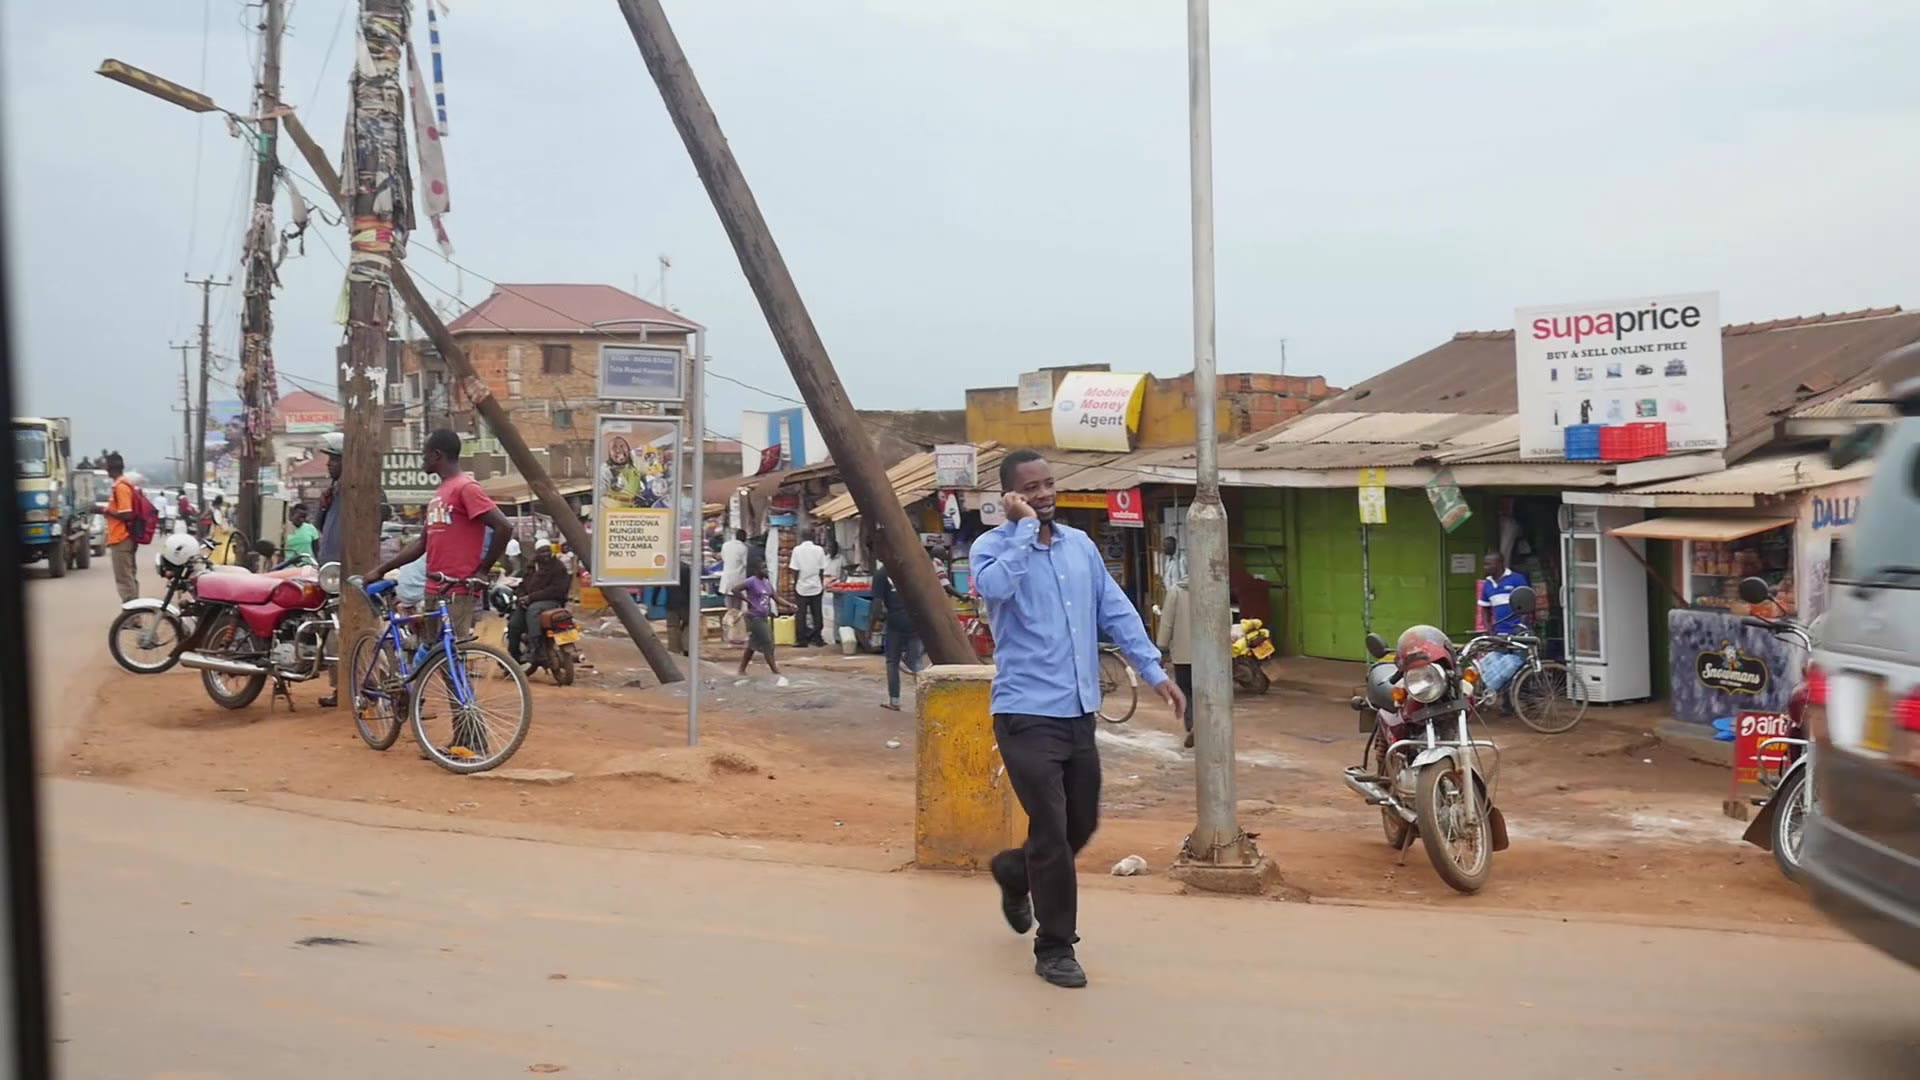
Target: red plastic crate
{"type": "Point", "coordinates": [1633, 442]}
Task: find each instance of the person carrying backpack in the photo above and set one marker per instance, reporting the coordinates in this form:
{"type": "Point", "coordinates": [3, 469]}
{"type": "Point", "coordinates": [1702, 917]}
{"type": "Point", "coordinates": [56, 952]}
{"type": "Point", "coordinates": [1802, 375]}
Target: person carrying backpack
{"type": "Point", "coordinates": [131, 522]}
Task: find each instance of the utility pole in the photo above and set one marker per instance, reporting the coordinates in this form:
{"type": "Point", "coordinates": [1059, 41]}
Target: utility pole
{"type": "Point", "coordinates": [793, 328]}
{"type": "Point", "coordinates": [186, 410]}
{"type": "Point", "coordinates": [197, 450]}
{"type": "Point", "coordinates": [256, 316]}
{"type": "Point", "coordinates": [658, 658]}
{"type": "Point", "coordinates": [1218, 854]}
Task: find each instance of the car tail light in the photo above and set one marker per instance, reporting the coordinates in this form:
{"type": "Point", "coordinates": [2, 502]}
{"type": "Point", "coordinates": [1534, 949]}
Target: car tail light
{"type": "Point", "coordinates": [297, 594]}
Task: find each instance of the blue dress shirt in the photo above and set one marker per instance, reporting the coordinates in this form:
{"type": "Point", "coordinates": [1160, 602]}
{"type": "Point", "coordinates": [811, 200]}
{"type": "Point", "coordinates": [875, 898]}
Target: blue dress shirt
{"type": "Point", "coordinates": [1049, 606]}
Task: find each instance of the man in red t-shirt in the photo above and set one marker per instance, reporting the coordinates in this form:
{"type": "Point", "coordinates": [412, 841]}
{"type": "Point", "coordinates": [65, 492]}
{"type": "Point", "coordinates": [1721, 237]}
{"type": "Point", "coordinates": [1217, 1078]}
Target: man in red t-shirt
{"type": "Point", "coordinates": [456, 538]}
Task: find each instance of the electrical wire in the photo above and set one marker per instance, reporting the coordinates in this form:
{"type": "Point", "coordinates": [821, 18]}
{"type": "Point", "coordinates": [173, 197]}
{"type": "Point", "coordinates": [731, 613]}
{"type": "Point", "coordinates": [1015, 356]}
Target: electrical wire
{"type": "Point", "coordinates": [338, 24]}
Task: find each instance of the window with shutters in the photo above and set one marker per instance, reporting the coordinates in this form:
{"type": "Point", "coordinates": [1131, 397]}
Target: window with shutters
{"type": "Point", "coordinates": [556, 359]}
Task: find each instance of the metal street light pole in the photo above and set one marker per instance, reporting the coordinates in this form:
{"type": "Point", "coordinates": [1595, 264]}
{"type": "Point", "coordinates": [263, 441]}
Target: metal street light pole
{"type": "Point", "coordinates": [1218, 854]}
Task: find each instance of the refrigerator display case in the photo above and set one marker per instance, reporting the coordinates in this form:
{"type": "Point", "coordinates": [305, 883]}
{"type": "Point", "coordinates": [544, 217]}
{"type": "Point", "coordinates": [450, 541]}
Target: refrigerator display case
{"type": "Point", "coordinates": [1605, 600]}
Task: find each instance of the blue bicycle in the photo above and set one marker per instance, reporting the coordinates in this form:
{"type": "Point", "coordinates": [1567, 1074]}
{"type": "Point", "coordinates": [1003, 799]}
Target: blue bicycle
{"type": "Point", "coordinates": [469, 704]}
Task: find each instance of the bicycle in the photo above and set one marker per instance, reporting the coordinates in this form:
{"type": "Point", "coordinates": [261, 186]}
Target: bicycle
{"type": "Point", "coordinates": [1119, 686]}
{"type": "Point", "coordinates": [393, 669]}
{"type": "Point", "coordinates": [1543, 693]}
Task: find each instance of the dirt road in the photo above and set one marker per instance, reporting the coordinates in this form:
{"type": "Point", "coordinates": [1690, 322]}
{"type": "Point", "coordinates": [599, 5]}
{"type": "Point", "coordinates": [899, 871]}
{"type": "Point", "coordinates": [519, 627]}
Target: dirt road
{"type": "Point", "coordinates": [1603, 820]}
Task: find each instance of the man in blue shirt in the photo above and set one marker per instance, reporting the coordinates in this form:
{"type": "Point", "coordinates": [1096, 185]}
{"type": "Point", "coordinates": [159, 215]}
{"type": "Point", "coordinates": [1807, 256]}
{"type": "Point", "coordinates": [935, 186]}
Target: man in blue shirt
{"type": "Point", "coordinates": [1050, 600]}
{"type": "Point", "coordinates": [1495, 591]}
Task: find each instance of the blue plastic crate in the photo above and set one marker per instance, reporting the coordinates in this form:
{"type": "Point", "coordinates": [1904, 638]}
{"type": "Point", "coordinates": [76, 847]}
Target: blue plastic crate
{"type": "Point", "coordinates": [1583, 442]}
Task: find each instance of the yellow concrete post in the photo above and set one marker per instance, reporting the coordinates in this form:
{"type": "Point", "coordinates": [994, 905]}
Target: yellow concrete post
{"type": "Point", "coordinates": [964, 809]}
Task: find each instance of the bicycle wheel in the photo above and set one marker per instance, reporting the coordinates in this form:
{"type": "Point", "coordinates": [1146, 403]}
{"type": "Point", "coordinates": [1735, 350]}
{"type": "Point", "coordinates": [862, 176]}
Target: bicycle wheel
{"type": "Point", "coordinates": [1549, 699]}
{"type": "Point", "coordinates": [1119, 696]}
{"type": "Point", "coordinates": [377, 693]}
{"type": "Point", "coordinates": [473, 718]}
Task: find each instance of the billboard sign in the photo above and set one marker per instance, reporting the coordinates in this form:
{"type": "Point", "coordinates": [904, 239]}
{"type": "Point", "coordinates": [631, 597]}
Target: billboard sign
{"type": "Point", "coordinates": [1125, 508]}
{"type": "Point", "coordinates": [956, 466]}
{"type": "Point", "coordinates": [1645, 360]}
{"type": "Point", "coordinates": [1036, 391]}
{"type": "Point", "coordinates": [636, 476]}
{"type": "Point", "coordinates": [405, 479]}
{"type": "Point", "coordinates": [642, 372]}
{"type": "Point", "coordinates": [1097, 410]}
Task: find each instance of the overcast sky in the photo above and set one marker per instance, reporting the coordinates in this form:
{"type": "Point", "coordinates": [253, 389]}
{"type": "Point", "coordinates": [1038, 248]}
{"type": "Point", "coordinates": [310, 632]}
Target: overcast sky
{"type": "Point", "coordinates": [970, 190]}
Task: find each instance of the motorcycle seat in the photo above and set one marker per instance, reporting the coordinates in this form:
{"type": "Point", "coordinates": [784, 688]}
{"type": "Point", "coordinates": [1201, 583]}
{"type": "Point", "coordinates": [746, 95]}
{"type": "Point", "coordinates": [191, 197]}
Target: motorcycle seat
{"type": "Point", "coordinates": [236, 588]}
{"type": "Point", "coordinates": [559, 617]}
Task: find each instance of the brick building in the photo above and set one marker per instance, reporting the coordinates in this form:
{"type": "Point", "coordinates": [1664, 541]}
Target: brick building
{"type": "Point", "coordinates": [537, 348]}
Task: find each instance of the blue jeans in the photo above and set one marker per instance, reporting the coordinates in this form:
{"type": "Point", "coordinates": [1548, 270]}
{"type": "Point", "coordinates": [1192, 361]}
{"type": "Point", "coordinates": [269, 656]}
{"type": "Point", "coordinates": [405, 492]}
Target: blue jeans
{"type": "Point", "coordinates": [902, 644]}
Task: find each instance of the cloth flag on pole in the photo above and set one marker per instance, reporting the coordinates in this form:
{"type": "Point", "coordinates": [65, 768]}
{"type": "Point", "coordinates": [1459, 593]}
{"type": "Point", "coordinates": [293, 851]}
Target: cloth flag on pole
{"type": "Point", "coordinates": [433, 157]}
{"type": "Point", "coordinates": [439, 73]}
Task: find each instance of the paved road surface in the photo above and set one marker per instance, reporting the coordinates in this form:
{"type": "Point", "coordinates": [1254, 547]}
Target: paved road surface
{"type": "Point", "coordinates": [197, 939]}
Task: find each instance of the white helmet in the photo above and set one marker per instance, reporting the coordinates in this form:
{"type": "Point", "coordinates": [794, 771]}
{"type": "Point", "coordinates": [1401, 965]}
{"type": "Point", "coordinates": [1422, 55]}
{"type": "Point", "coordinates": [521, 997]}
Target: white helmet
{"type": "Point", "coordinates": [179, 549]}
{"type": "Point", "coordinates": [333, 442]}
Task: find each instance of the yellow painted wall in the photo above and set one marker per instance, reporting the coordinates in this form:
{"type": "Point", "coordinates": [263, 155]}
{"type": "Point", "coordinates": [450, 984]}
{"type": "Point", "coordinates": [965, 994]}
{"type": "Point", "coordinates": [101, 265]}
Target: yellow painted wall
{"type": "Point", "coordinates": [964, 809]}
{"type": "Point", "coordinates": [1247, 404]}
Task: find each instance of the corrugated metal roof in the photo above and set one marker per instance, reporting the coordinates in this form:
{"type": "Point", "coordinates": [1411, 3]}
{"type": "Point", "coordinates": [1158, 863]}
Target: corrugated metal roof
{"type": "Point", "coordinates": [912, 480]}
{"type": "Point", "coordinates": [1850, 405]}
{"type": "Point", "coordinates": [1342, 440]}
{"type": "Point", "coordinates": [1775, 474]}
{"type": "Point", "coordinates": [1771, 368]}
{"type": "Point", "coordinates": [562, 309]}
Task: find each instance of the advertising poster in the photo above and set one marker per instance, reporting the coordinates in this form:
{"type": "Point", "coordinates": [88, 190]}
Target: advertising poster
{"type": "Point", "coordinates": [404, 478]}
{"type": "Point", "coordinates": [636, 473]}
{"type": "Point", "coordinates": [1373, 496]}
{"type": "Point", "coordinates": [1617, 362]}
{"type": "Point", "coordinates": [1097, 410]}
{"type": "Point", "coordinates": [1036, 391]}
{"type": "Point", "coordinates": [956, 466]}
{"type": "Point", "coordinates": [1449, 505]}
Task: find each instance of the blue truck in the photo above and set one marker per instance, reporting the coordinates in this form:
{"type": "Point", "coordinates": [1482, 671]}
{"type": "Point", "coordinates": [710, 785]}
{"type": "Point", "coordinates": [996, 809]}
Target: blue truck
{"type": "Point", "coordinates": [56, 502]}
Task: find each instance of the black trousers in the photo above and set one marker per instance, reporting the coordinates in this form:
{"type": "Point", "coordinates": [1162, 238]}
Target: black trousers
{"type": "Point", "coordinates": [812, 622]}
{"type": "Point", "coordinates": [1054, 768]}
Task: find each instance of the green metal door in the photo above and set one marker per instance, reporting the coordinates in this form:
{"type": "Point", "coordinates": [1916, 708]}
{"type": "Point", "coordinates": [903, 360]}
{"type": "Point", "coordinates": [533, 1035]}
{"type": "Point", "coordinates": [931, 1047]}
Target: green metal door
{"type": "Point", "coordinates": [1405, 558]}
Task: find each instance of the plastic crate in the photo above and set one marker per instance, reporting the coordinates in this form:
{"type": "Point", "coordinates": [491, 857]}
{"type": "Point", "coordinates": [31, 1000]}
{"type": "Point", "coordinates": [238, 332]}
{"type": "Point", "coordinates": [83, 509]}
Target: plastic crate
{"type": "Point", "coordinates": [1583, 442]}
{"type": "Point", "coordinates": [1633, 442]}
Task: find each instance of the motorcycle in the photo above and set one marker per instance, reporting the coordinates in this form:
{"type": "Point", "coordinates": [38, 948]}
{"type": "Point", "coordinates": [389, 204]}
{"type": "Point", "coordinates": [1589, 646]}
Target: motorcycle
{"type": "Point", "coordinates": [250, 628]}
{"type": "Point", "coordinates": [145, 637]}
{"type": "Point", "coordinates": [1252, 644]}
{"type": "Point", "coordinates": [559, 633]}
{"type": "Point", "coordinates": [1786, 761]}
{"type": "Point", "coordinates": [1421, 765]}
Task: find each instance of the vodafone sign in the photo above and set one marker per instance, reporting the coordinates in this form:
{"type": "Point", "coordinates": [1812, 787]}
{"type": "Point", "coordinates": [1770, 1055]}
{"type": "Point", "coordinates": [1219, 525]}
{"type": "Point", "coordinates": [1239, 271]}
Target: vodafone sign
{"type": "Point", "coordinates": [1097, 410]}
{"type": "Point", "coordinates": [1125, 508]}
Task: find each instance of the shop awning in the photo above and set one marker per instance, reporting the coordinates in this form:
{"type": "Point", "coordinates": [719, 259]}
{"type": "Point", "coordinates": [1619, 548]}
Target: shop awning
{"type": "Point", "coordinates": [1706, 529]}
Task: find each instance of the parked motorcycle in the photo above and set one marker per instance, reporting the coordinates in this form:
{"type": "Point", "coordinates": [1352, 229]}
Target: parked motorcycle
{"type": "Point", "coordinates": [1422, 767]}
{"type": "Point", "coordinates": [1252, 645]}
{"type": "Point", "coordinates": [1786, 761]}
{"type": "Point", "coordinates": [559, 633]}
{"type": "Point", "coordinates": [145, 637]}
{"type": "Point", "coordinates": [250, 628]}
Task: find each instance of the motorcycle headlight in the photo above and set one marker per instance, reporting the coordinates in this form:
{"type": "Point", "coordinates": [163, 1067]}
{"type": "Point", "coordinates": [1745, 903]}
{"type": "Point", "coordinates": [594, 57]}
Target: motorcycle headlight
{"type": "Point", "coordinates": [38, 515]}
{"type": "Point", "coordinates": [1425, 683]}
{"type": "Point", "coordinates": [330, 579]}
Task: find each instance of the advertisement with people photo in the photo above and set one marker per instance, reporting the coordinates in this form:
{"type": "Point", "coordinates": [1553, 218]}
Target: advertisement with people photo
{"type": "Point", "coordinates": [634, 508]}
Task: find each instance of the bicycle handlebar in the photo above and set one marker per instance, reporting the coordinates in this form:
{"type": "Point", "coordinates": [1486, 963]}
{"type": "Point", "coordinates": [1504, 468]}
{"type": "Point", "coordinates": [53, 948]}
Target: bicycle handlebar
{"type": "Point", "coordinates": [452, 579]}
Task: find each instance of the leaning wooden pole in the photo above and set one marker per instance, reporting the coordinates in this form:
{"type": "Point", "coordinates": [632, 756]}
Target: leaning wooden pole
{"type": "Point", "coordinates": [631, 617]}
{"type": "Point", "coordinates": [793, 328]}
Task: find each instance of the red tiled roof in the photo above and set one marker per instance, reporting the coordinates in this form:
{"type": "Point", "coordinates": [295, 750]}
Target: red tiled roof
{"type": "Point", "coordinates": [560, 309]}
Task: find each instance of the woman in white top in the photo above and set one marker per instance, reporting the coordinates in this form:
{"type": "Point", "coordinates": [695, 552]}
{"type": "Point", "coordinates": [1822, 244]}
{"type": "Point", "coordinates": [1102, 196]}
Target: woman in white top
{"type": "Point", "coordinates": [733, 571]}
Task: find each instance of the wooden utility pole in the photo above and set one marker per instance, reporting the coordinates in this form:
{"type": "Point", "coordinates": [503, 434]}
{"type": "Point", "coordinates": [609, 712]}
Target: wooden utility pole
{"type": "Point", "coordinates": [806, 355]}
{"type": "Point", "coordinates": [256, 316]}
{"type": "Point", "coordinates": [197, 451]}
{"type": "Point", "coordinates": [378, 217]}
{"type": "Point", "coordinates": [658, 658]}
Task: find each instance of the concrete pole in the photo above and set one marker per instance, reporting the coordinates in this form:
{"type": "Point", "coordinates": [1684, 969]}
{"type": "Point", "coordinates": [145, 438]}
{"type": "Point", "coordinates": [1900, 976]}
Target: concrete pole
{"type": "Point", "coordinates": [799, 340]}
{"type": "Point", "coordinates": [256, 314]}
{"type": "Point", "coordinates": [198, 451]}
{"type": "Point", "coordinates": [1217, 842]}
{"type": "Point", "coordinates": [696, 414]}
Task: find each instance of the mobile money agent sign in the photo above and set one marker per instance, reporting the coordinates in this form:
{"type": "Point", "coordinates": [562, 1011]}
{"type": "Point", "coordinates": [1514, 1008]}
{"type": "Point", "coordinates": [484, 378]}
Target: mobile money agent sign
{"type": "Point", "coordinates": [635, 515]}
{"type": "Point", "coordinates": [1647, 360]}
{"type": "Point", "coordinates": [1097, 410]}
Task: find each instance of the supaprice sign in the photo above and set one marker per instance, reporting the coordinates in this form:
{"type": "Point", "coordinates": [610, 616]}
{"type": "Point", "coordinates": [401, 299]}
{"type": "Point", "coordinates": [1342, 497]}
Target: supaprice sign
{"type": "Point", "coordinates": [1097, 410]}
{"type": "Point", "coordinates": [1645, 360]}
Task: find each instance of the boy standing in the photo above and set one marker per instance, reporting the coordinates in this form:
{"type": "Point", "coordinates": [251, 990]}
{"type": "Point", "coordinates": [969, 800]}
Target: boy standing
{"type": "Point", "coordinates": [758, 596]}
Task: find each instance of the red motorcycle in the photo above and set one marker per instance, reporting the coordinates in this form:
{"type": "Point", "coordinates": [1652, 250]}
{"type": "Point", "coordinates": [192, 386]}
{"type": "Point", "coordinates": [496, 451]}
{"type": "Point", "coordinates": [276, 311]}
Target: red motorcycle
{"type": "Point", "coordinates": [249, 628]}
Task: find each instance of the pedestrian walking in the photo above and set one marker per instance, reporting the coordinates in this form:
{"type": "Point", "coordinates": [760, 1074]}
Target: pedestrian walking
{"type": "Point", "coordinates": [809, 566]}
{"type": "Point", "coordinates": [1050, 600]}
{"type": "Point", "coordinates": [1176, 644]}
{"type": "Point", "coordinates": [901, 638]}
{"type": "Point", "coordinates": [121, 547]}
{"type": "Point", "coordinates": [758, 597]}
{"type": "Point", "coordinates": [733, 571]}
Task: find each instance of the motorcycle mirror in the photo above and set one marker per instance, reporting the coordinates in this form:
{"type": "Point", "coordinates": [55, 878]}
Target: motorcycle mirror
{"type": "Point", "coordinates": [1376, 646]}
{"type": "Point", "coordinates": [1522, 599]}
{"type": "Point", "coordinates": [1755, 591]}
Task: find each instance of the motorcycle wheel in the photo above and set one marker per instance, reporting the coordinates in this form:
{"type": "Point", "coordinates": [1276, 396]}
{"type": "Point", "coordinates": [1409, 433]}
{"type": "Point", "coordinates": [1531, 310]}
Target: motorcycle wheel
{"type": "Point", "coordinates": [1257, 679]}
{"type": "Point", "coordinates": [231, 691]}
{"type": "Point", "coordinates": [1790, 823]}
{"type": "Point", "coordinates": [1392, 824]}
{"type": "Point", "coordinates": [1439, 802]}
{"type": "Point", "coordinates": [562, 665]}
{"type": "Point", "coordinates": [1119, 697]}
{"type": "Point", "coordinates": [83, 558]}
{"type": "Point", "coordinates": [57, 561]}
{"type": "Point", "coordinates": [135, 625]}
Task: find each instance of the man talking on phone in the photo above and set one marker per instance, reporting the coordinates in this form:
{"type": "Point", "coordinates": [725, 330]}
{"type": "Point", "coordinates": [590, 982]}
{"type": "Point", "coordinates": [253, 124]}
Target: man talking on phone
{"type": "Point", "coordinates": [1050, 600]}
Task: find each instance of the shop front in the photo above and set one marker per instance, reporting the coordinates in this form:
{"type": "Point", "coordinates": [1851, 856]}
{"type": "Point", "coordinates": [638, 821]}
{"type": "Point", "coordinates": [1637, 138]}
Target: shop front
{"type": "Point", "coordinates": [1119, 531]}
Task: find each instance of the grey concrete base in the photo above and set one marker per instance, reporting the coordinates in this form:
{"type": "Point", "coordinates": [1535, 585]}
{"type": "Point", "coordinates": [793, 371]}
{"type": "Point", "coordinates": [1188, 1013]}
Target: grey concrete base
{"type": "Point", "coordinates": [1252, 880]}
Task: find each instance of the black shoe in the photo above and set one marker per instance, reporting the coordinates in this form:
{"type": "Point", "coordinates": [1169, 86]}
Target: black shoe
{"type": "Point", "coordinates": [1063, 971]}
{"type": "Point", "coordinates": [1018, 908]}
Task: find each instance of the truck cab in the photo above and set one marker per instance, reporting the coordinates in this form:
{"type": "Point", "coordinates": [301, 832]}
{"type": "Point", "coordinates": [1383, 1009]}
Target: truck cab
{"type": "Point", "coordinates": [54, 515]}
